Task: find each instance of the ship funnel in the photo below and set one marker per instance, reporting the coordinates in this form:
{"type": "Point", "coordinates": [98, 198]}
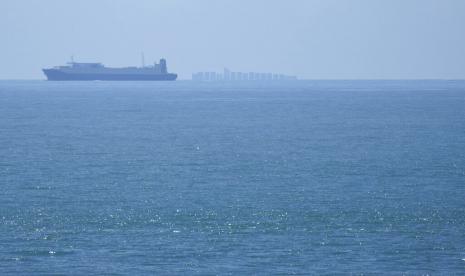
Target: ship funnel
{"type": "Point", "coordinates": [163, 67]}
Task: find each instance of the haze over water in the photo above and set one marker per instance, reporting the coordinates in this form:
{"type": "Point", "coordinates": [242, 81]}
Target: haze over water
{"type": "Point", "coordinates": [243, 178]}
{"type": "Point", "coordinates": [312, 39]}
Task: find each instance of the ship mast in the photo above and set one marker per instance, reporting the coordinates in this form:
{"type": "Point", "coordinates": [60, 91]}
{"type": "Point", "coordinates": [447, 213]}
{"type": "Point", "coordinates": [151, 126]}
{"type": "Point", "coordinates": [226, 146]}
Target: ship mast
{"type": "Point", "coordinates": [143, 59]}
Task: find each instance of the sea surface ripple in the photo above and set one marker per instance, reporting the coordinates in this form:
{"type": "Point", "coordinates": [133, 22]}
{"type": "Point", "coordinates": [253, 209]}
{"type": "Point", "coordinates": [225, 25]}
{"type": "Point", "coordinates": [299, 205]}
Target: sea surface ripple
{"type": "Point", "coordinates": [307, 177]}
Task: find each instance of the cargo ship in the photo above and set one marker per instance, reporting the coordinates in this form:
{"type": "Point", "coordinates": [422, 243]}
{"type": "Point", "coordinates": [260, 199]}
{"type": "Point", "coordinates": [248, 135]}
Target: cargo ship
{"type": "Point", "coordinates": [76, 71]}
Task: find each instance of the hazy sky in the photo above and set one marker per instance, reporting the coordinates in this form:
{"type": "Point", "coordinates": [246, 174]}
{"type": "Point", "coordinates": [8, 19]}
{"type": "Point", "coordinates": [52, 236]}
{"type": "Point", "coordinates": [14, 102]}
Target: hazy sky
{"type": "Point", "coordinates": [316, 39]}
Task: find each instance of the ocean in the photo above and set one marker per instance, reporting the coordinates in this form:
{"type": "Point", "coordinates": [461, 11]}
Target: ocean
{"type": "Point", "coordinates": [305, 177]}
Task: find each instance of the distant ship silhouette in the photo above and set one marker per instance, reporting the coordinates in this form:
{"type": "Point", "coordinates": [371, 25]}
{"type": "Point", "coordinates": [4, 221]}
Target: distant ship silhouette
{"type": "Point", "coordinates": [76, 71]}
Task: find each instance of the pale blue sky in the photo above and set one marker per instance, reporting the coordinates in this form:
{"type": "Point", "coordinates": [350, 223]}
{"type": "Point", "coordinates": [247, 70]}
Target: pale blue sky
{"type": "Point", "coordinates": [317, 39]}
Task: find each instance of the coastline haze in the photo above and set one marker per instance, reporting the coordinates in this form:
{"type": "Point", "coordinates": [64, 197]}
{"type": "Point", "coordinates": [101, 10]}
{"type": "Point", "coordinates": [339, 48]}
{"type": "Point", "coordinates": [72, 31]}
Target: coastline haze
{"type": "Point", "coordinates": [311, 39]}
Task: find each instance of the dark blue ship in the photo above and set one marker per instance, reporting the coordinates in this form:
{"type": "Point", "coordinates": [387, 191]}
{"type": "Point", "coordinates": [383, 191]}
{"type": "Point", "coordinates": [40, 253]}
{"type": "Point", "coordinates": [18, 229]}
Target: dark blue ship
{"type": "Point", "coordinates": [76, 71]}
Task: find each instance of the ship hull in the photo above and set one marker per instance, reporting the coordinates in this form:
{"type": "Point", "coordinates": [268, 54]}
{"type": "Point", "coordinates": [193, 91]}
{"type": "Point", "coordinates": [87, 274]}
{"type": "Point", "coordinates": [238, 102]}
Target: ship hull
{"type": "Point", "coordinates": [57, 75]}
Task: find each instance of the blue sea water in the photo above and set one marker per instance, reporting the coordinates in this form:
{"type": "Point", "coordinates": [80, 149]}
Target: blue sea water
{"type": "Point", "coordinates": [308, 177]}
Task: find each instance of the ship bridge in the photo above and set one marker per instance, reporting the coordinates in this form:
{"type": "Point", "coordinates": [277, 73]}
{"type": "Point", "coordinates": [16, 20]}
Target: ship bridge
{"type": "Point", "coordinates": [85, 65]}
